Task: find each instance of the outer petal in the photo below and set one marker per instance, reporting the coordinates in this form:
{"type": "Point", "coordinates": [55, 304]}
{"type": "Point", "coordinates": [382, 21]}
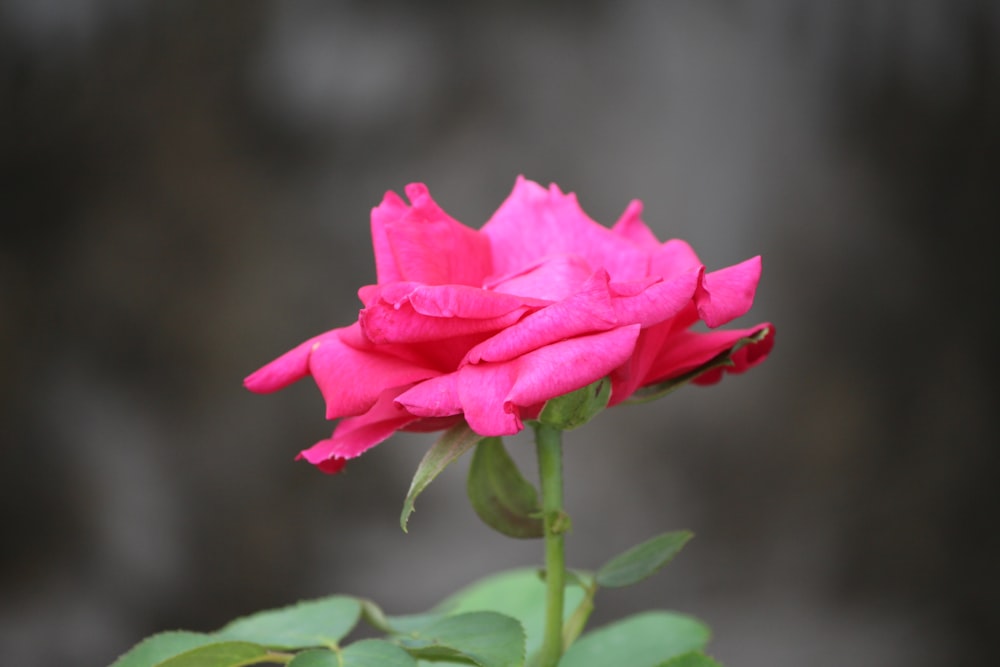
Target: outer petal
{"type": "Point", "coordinates": [686, 350]}
{"type": "Point", "coordinates": [588, 310]}
{"type": "Point", "coordinates": [726, 294]}
{"type": "Point", "coordinates": [426, 244]}
{"type": "Point", "coordinates": [436, 397]}
{"type": "Point", "coordinates": [632, 374]}
{"type": "Point", "coordinates": [534, 223]}
{"type": "Point", "coordinates": [483, 391]}
{"type": "Point", "coordinates": [495, 396]}
{"type": "Point", "coordinates": [352, 379]}
{"type": "Point", "coordinates": [656, 302]}
{"type": "Point", "coordinates": [563, 367]}
{"type": "Point", "coordinates": [391, 209]}
{"type": "Point", "coordinates": [743, 359]}
{"type": "Point", "coordinates": [631, 226]}
{"type": "Point", "coordinates": [355, 435]}
{"type": "Point", "coordinates": [290, 367]}
{"type": "Point", "coordinates": [672, 259]}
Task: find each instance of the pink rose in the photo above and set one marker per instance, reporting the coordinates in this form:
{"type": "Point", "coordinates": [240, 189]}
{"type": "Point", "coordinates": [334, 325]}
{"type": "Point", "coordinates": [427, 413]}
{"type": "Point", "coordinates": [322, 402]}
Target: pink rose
{"type": "Point", "coordinates": [487, 325]}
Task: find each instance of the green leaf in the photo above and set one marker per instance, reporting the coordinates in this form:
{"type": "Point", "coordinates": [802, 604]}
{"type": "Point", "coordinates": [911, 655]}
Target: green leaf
{"type": "Point", "coordinates": [374, 616]}
{"type": "Point", "coordinates": [643, 640]}
{"type": "Point", "coordinates": [584, 580]}
{"type": "Point", "coordinates": [223, 654]}
{"type": "Point", "coordinates": [485, 638]}
{"type": "Point", "coordinates": [502, 498]}
{"type": "Point", "coordinates": [401, 625]}
{"type": "Point", "coordinates": [376, 653]}
{"type": "Point", "coordinates": [576, 408]}
{"type": "Point", "coordinates": [365, 653]}
{"type": "Point", "coordinates": [519, 594]}
{"type": "Point", "coordinates": [315, 657]}
{"type": "Point", "coordinates": [450, 446]}
{"type": "Point", "coordinates": [643, 560]}
{"type": "Point", "coordinates": [322, 622]}
{"type": "Point", "coordinates": [154, 650]}
{"type": "Point", "coordinates": [693, 659]}
{"type": "Point", "coordinates": [661, 389]}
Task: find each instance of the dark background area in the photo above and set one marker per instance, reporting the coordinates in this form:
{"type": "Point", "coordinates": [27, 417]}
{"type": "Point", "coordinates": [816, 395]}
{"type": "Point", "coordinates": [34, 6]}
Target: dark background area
{"type": "Point", "coordinates": [184, 194]}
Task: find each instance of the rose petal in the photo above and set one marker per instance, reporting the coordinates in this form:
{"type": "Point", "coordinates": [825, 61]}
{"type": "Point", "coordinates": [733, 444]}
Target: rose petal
{"type": "Point", "coordinates": [290, 367]}
{"type": "Point", "coordinates": [428, 245]}
{"type": "Point", "coordinates": [684, 351]}
{"type": "Point", "coordinates": [446, 300]}
{"type": "Point", "coordinates": [569, 365]}
{"type": "Point", "coordinates": [355, 435]}
{"type": "Point", "coordinates": [550, 278]}
{"type": "Point", "coordinates": [495, 396]}
{"type": "Point", "coordinates": [728, 293]}
{"type": "Point", "coordinates": [654, 303]}
{"type": "Point", "coordinates": [405, 312]}
{"type": "Point", "coordinates": [436, 397]}
{"type": "Point", "coordinates": [743, 359]}
{"type": "Point", "coordinates": [631, 226]}
{"type": "Point", "coordinates": [463, 301]}
{"type": "Point", "coordinates": [588, 310]}
{"type": "Point", "coordinates": [632, 374]}
{"type": "Point", "coordinates": [391, 209]}
{"type": "Point", "coordinates": [673, 258]}
{"type": "Point", "coordinates": [392, 293]}
{"type": "Point", "coordinates": [534, 223]}
{"type": "Point", "coordinates": [483, 392]}
{"type": "Point", "coordinates": [352, 379]}
{"type": "Point", "coordinates": [405, 325]}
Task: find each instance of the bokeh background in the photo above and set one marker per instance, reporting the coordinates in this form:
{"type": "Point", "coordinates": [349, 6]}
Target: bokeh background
{"type": "Point", "coordinates": [185, 194]}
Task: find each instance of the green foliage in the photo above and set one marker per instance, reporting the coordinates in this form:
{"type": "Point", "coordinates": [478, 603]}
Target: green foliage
{"type": "Point", "coordinates": [318, 657]}
{"type": "Point", "coordinates": [721, 360]}
{"type": "Point", "coordinates": [495, 622]}
{"type": "Point", "coordinates": [375, 653]}
{"type": "Point", "coordinates": [154, 650]}
{"type": "Point", "coordinates": [377, 618]}
{"type": "Point", "coordinates": [450, 446]}
{"type": "Point", "coordinates": [485, 638]}
{"type": "Point", "coordinates": [519, 594]}
{"type": "Point", "coordinates": [222, 654]}
{"type": "Point", "coordinates": [321, 622]}
{"type": "Point", "coordinates": [643, 640]}
{"type": "Point", "coordinates": [576, 408]}
{"type": "Point", "coordinates": [500, 495]}
{"type": "Point", "coordinates": [693, 659]}
{"type": "Point", "coordinates": [499, 621]}
{"type": "Point", "coordinates": [643, 560]}
{"type": "Point", "coordinates": [365, 653]}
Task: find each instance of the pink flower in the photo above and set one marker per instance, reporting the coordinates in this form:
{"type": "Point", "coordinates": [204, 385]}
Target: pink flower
{"type": "Point", "coordinates": [487, 325]}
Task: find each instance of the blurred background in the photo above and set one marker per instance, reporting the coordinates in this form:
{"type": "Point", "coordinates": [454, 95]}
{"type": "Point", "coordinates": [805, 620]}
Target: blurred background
{"type": "Point", "coordinates": [185, 195]}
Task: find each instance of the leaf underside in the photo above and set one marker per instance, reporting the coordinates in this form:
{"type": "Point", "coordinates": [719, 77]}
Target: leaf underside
{"type": "Point", "coordinates": [450, 446]}
{"type": "Point", "coordinates": [500, 495]}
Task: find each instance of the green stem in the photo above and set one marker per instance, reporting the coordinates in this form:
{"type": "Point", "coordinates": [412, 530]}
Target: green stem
{"type": "Point", "coordinates": [548, 441]}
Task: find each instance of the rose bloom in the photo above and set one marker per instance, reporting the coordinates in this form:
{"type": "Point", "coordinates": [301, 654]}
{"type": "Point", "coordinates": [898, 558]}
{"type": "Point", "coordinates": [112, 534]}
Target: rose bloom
{"type": "Point", "coordinates": [487, 325]}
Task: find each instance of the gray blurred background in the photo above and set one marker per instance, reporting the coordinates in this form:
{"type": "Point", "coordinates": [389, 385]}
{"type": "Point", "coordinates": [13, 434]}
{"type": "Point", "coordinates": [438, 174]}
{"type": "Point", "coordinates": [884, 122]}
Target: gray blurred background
{"type": "Point", "coordinates": [185, 194]}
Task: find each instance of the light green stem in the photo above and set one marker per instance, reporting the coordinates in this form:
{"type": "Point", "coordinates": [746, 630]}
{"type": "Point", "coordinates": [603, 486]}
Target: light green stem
{"type": "Point", "coordinates": [548, 441]}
